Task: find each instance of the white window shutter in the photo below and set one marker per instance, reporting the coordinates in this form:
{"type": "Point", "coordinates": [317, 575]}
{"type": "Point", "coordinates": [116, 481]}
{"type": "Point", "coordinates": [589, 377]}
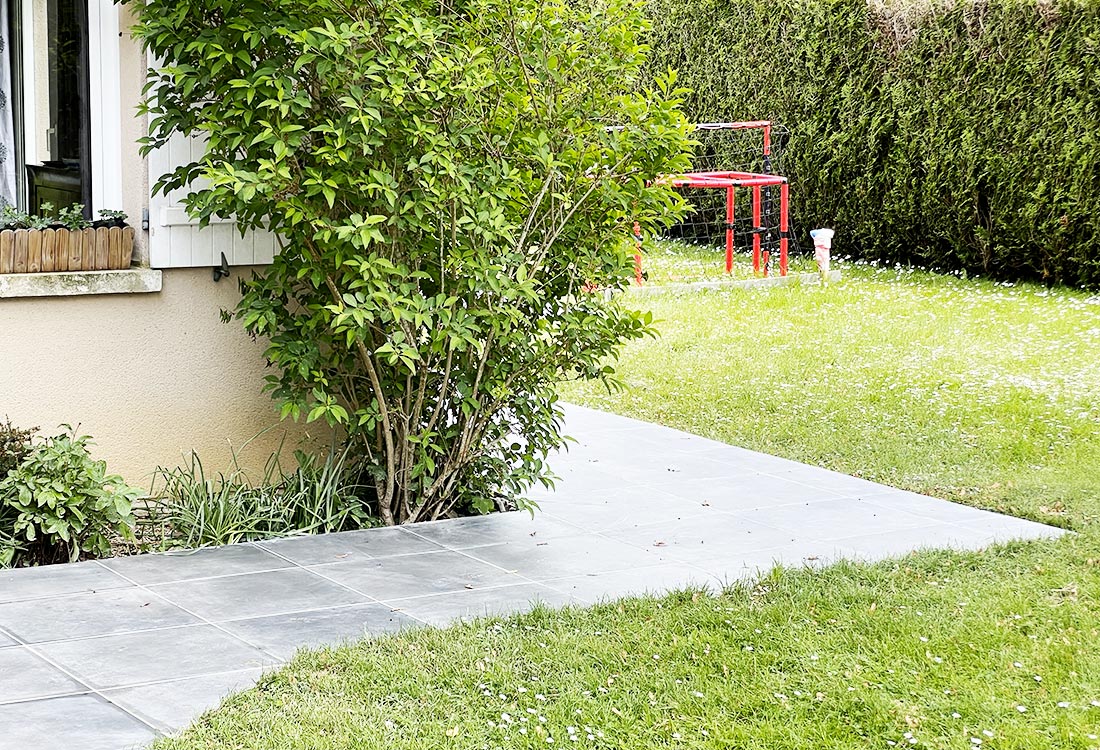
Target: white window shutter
{"type": "Point", "coordinates": [176, 240]}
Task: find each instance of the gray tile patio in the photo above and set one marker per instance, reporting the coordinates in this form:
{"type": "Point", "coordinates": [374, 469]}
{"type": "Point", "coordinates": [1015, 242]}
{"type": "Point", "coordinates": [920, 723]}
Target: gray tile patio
{"type": "Point", "coordinates": [107, 655]}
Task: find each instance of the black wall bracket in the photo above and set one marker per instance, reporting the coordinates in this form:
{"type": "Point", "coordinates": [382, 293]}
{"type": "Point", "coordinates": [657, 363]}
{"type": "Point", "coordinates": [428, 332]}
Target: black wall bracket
{"type": "Point", "coordinates": [221, 271]}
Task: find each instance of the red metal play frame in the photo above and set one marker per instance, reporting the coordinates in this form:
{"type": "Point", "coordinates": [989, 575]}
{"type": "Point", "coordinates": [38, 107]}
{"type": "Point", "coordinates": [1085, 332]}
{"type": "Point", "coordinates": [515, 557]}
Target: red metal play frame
{"type": "Point", "coordinates": [730, 181]}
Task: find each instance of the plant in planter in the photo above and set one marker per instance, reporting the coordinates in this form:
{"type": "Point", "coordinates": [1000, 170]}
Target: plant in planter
{"type": "Point", "coordinates": [66, 242]}
{"type": "Point", "coordinates": [12, 218]}
{"type": "Point", "coordinates": [72, 218]}
{"type": "Point", "coordinates": [110, 218]}
{"type": "Point", "coordinates": [41, 221]}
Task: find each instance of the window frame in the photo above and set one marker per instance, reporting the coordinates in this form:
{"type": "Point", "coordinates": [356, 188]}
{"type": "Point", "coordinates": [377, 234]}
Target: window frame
{"type": "Point", "coordinates": [103, 119]}
{"type": "Point", "coordinates": [105, 85]}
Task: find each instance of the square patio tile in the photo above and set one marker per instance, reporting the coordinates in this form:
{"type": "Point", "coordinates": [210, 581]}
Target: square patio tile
{"type": "Point", "coordinates": [646, 464]}
{"type": "Point", "coordinates": [6, 640]}
{"type": "Point", "coordinates": [172, 706]}
{"type": "Point", "coordinates": [567, 556]}
{"type": "Point", "coordinates": [761, 462]}
{"type": "Point", "coordinates": [23, 675]}
{"type": "Point", "coordinates": [696, 445]}
{"type": "Point", "coordinates": [444, 609]}
{"type": "Point", "coordinates": [52, 580]}
{"type": "Point", "coordinates": [349, 545]}
{"type": "Point", "coordinates": [583, 478]}
{"type": "Point", "coordinates": [417, 575]}
{"type": "Point", "coordinates": [82, 615]}
{"type": "Point", "coordinates": [257, 594]}
{"type": "Point", "coordinates": [707, 538]}
{"type": "Point", "coordinates": [624, 508]}
{"type": "Point", "coordinates": [283, 635]}
{"type": "Point", "coordinates": [732, 567]}
{"type": "Point", "coordinates": [997, 528]}
{"type": "Point", "coordinates": [184, 565]}
{"type": "Point", "coordinates": [746, 492]}
{"type": "Point", "coordinates": [657, 580]}
{"type": "Point", "coordinates": [932, 508]}
{"type": "Point", "coordinates": [888, 545]}
{"type": "Point", "coordinates": [478, 531]}
{"type": "Point", "coordinates": [834, 481]}
{"type": "Point", "coordinates": [584, 420]}
{"type": "Point", "coordinates": [834, 519]}
{"type": "Point", "coordinates": [132, 658]}
{"type": "Point", "coordinates": [82, 722]}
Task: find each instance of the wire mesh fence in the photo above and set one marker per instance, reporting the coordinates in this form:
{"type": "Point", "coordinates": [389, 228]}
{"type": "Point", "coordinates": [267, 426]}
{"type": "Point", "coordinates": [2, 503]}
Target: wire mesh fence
{"type": "Point", "coordinates": [738, 195]}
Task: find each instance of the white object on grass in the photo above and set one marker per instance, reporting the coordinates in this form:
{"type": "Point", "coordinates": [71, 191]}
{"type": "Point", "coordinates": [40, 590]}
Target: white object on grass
{"type": "Point", "coordinates": [823, 243]}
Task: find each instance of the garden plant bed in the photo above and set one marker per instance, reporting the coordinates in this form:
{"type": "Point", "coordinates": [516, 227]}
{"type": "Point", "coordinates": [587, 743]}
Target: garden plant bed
{"type": "Point", "coordinates": [58, 249]}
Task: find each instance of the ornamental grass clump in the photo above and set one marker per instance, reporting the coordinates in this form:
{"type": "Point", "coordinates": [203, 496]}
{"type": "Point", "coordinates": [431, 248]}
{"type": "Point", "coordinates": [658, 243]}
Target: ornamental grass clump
{"type": "Point", "coordinates": [448, 182]}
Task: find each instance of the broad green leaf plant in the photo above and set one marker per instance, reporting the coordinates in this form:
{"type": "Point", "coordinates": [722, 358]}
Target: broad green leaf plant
{"type": "Point", "coordinates": [60, 504]}
{"type": "Point", "coordinates": [454, 186]}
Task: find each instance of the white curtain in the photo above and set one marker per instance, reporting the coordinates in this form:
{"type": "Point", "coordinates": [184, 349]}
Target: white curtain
{"type": "Point", "coordinates": [7, 127]}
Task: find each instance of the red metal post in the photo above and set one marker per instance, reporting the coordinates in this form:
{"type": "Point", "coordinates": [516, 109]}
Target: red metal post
{"type": "Point", "coordinates": [729, 229]}
{"type": "Point", "coordinates": [637, 253]}
{"type": "Point", "coordinates": [767, 262]}
{"type": "Point", "coordinates": [756, 230]}
{"type": "Point", "coordinates": [783, 226]}
{"type": "Point", "coordinates": [768, 139]}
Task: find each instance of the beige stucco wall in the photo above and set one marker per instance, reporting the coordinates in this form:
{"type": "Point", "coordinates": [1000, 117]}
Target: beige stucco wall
{"type": "Point", "coordinates": [150, 376]}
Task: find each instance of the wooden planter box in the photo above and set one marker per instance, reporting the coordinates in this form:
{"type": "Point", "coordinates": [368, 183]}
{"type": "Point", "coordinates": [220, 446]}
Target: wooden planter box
{"type": "Point", "coordinates": [52, 250]}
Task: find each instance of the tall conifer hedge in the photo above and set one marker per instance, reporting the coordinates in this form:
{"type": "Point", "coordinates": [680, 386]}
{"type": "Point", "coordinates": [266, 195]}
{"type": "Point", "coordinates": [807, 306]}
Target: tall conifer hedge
{"type": "Point", "coordinates": [958, 135]}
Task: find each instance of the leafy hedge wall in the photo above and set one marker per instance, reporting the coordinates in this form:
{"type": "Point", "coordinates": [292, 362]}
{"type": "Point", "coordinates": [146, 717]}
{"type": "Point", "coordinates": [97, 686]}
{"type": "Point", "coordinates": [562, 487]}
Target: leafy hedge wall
{"type": "Point", "coordinates": [963, 135]}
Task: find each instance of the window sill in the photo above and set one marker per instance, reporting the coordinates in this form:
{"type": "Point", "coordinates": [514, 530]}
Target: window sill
{"type": "Point", "coordinates": [78, 283]}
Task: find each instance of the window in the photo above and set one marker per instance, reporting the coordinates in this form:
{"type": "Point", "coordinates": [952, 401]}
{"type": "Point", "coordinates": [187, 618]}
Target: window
{"type": "Point", "coordinates": [45, 125]}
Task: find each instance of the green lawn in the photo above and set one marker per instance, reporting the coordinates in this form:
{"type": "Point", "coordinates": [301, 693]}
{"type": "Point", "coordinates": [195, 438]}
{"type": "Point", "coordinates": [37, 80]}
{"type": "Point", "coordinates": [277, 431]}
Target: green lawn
{"type": "Point", "coordinates": [986, 394]}
{"type": "Point", "coordinates": [854, 657]}
{"type": "Point", "coordinates": [983, 393]}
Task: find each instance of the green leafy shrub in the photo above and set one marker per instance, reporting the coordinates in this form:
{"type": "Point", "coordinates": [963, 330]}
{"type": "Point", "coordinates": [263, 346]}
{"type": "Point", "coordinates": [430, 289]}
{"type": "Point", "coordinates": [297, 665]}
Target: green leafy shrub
{"type": "Point", "coordinates": [955, 135]}
{"type": "Point", "coordinates": [447, 187]}
{"type": "Point", "coordinates": [194, 510]}
{"type": "Point", "coordinates": [15, 445]}
{"type": "Point", "coordinates": [60, 505]}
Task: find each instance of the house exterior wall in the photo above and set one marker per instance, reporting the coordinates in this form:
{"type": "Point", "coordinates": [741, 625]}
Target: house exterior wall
{"type": "Point", "coordinates": [149, 376]}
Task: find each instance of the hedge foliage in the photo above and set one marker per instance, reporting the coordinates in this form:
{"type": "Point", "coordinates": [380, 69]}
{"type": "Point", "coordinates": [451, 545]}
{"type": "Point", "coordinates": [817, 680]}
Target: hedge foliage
{"type": "Point", "coordinates": [959, 135]}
